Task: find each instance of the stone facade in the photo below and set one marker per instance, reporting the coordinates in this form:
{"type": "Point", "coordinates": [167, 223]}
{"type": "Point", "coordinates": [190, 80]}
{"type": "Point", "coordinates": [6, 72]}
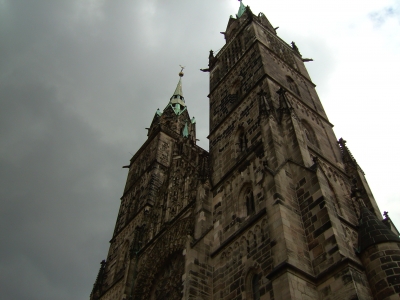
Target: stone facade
{"type": "Point", "coordinates": [270, 212]}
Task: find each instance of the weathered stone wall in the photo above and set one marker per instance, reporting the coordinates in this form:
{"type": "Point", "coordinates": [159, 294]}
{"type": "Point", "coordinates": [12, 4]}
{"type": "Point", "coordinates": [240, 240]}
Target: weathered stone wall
{"type": "Point", "coordinates": [245, 254]}
{"type": "Point", "coordinates": [292, 286]}
{"type": "Point", "coordinates": [233, 88]}
{"type": "Point", "coordinates": [347, 283]}
{"type": "Point", "coordinates": [225, 148]}
{"type": "Point", "coordinates": [198, 277]}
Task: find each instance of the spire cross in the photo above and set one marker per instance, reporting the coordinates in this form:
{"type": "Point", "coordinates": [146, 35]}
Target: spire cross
{"type": "Point", "coordinates": [182, 67]}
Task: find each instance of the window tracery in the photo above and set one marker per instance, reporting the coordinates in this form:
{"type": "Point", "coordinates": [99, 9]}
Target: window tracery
{"type": "Point", "coordinates": [242, 140]}
{"type": "Point", "coordinates": [123, 260]}
{"type": "Point", "coordinates": [292, 85]}
{"type": "Point", "coordinates": [168, 282]}
{"type": "Point", "coordinates": [309, 134]}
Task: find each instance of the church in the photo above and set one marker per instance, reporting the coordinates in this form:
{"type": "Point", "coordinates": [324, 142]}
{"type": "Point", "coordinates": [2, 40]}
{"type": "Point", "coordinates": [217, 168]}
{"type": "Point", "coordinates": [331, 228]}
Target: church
{"type": "Point", "coordinates": [278, 208]}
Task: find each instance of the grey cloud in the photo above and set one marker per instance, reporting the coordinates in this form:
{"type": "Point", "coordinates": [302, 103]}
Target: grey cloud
{"type": "Point", "coordinates": [381, 16]}
{"type": "Point", "coordinates": [57, 193]}
{"type": "Point", "coordinates": [78, 86]}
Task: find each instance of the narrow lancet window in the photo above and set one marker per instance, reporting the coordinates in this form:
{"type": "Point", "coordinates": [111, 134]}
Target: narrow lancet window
{"type": "Point", "coordinates": [250, 205]}
{"type": "Point", "coordinates": [242, 141]}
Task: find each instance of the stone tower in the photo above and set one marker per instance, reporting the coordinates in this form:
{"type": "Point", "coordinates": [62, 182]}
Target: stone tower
{"type": "Point", "coordinates": [167, 178]}
{"type": "Point", "coordinates": [277, 209]}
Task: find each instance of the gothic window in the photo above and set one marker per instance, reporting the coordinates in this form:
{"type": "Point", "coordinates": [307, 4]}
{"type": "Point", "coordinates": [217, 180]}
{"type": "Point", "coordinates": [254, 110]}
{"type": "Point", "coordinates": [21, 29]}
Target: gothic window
{"type": "Point", "coordinates": [309, 134]}
{"type": "Point", "coordinates": [235, 91]}
{"type": "Point", "coordinates": [135, 202]}
{"type": "Point", "coordinates": [333, 197]}
{"type": "Point", "coordinates": [292, 85]}
{"type": "Point", "coordinates": [250, 205]}
{"type": "Point", "coordinates": [215, 74]}
{"type": "Point", "coordinates": [255, 286]}
{"type": "Point", "coordinates": [168, 282]}
{"type": "Point", "coordinates": [122, 263]}
{"type": "Point", "coordinates": [242, 140]}
{"type": "Point", "coordinates": [129, 212]}
{"type": "Point", "coordinates": [252, 282]}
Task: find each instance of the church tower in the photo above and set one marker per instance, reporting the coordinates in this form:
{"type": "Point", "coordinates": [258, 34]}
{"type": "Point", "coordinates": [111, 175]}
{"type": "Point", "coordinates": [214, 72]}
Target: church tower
{"type": "Point", "coordinates": [277, 209]}
{"type": "Point", "coordinates": [166, 189]}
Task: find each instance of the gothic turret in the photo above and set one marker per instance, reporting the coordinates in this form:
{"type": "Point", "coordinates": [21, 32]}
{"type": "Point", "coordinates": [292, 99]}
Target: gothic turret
{"type": "Point", "coordinates": [379, 249]}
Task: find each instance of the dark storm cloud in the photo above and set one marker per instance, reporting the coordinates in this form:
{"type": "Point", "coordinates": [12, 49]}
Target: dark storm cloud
{"type": "Point", "coordinates": [55, 186]}
{"type": "Point", "coordinates": [79, 82]}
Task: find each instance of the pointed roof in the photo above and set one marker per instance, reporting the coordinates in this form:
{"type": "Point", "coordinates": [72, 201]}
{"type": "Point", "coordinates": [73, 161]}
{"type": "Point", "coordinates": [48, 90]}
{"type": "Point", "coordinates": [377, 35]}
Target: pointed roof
{"type": "Point", "coordinates": [242, 9]}
{"type": "Point", "coordinates": [177, 97]}
{"type": "Point", "coordinates": [372, 231]}
{"type": "Point", "coordinates": [178, 90]}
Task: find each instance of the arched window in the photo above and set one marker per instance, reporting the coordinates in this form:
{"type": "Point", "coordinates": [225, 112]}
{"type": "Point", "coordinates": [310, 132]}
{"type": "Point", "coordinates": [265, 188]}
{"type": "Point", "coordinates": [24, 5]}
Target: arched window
{"type": "Point", "coordinates": [292, 85]}
{"type": "Point", "coordinates": [255, 286]}
{"type": "Point", "coordinates": [250, 205]}
{"type": "Point", "coordinates": [253, 282]}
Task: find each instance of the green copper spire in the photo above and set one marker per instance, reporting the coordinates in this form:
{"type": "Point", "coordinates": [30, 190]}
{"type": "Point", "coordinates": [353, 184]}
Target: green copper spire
{"type": "Point", "coordinates": [242, 9]}
{"type": "Point", "coordinates": [177, 101]}
{"type": "Point", "coordinates": [178, 90]}
{"type": "Point", "coordinates": [177, 97]}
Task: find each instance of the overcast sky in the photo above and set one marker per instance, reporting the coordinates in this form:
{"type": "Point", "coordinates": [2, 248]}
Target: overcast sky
{"type": "Point", "coordinates": [80, 81]}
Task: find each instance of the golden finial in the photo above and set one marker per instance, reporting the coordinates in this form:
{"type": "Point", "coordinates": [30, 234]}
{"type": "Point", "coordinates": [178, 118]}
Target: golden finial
{"type": "Point", "coordinates": [181, 72]}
